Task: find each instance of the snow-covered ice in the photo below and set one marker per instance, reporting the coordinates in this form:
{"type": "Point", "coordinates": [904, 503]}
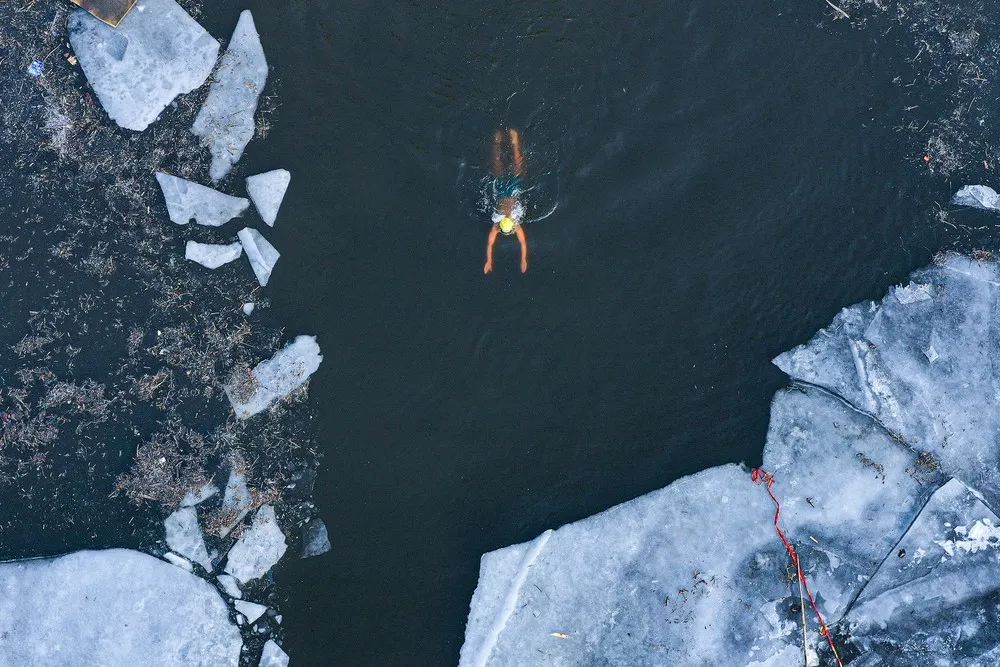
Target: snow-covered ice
{"type": "Point", "coordinates": [267, 190]}
{"type": "Point", "coordinates": [884, 457]}
{"type": "Point", "coordinates": [184, 536]}
{"type": "Point", "coordinates": [273, 656]}
{"type": "Point", "coordinates": [226, 121]}
{"type": "Point", "coordinates": [258, 549]}
{"type": "Point", "coordinates": [277, 377]}
{"type": "Point", "coordinates": [187, 200]}
{"type": "Point", "coordinates": [977, 196]}
{"type": "Point", "coordinates": [212, 255]}
{"type": "Point", "coordinates": [250, 610]}
{"type": "Point", "coordinates": [157, 53]}
{"type": "Point", "coordinates": [315, 539]}
{"type": "Point", "coordinates": [262, 255]}
{"type": "Point", "coordinates": [113, 607]}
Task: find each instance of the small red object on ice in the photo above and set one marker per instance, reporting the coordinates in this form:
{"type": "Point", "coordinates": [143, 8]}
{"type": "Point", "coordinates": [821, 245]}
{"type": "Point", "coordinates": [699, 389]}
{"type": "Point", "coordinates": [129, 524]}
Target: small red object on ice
{"type": "Point", "coordinates": [927, 158]}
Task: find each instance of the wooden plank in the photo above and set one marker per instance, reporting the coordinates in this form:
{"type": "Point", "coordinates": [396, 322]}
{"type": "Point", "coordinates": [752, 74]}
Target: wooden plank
{"type": "Point", "coordinates": [110, 11]}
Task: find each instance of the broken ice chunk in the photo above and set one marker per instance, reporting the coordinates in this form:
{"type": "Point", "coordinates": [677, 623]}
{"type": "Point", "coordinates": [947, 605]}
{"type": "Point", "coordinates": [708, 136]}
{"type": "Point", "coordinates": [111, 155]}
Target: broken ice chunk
{"type": "Point", "coordinates": [315, 539]}
{"type": "Point", "coordinates": [229, 585]}
{"type": "Point", "coordinates": [157, 52]}
{"type": "Point", "coordinates": [251, 610]}
{"type": "Point", "coordinates": [977, 196]}
{"type": "Point", "coordinates": [182, 563]}
{"type": "Point", "coordinates": [276, 377]}
{"type": "Point", "coordinates": [258, 549]}
{"type": "Point", "coordinates": [267, 190]}
{"type": "Point", "coordinates": [237, 495]}
{"type": "Point", "coordinates": [248, 307]}
{"type": "Point", "coordinates": [912, 293]}
{"type": "Point", "coordinates": [273, 656]}
{"type": "Point", "coordinates": [187, 200]}
{"type": "Point", "coordinates": [184, 536]}
{"type": "Point", "coordinates": [225, 122]}
{"type": "Point", "coordinates": [204, 493]}
{"type": "Point", "coordinates": [212, 255]}
{"type": "Point", "coordinates": [261, 254]}
{"type": "Point", "coordinates": [931, 354]}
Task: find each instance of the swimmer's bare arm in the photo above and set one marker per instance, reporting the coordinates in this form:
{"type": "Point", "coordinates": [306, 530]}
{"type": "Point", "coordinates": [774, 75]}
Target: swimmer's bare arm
{"type": "Point", "coordinates": [524, 247]}
{"type": "Point", "coordinates": [494, 232]}
{"type": "Point", "coordinates": [515, 144]}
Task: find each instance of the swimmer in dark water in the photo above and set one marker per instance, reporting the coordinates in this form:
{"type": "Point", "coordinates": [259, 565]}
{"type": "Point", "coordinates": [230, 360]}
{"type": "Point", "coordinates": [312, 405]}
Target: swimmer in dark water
{"type": "Point", "coordinates": [508, 211]}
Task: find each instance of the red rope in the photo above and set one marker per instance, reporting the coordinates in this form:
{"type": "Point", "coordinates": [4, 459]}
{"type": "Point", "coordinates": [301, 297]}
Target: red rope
{"type": "Point", "coordinates": [758, 476]}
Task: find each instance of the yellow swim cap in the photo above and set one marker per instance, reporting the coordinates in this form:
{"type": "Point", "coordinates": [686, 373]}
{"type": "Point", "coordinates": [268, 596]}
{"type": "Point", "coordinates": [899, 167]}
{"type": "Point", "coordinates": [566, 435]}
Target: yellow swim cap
{"type": "Point", "coordinates": [506, 225]}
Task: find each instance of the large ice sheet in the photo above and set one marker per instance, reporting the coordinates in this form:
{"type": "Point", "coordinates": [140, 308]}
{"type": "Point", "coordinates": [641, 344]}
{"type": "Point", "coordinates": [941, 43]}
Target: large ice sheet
{"type": "Point", "coordinates": [114, 607]}
{"type": "Point", "coordinates": [188, 201]}
{"type": "Point", "coordinates": [276, 377]}
{"type": "Point", "coordinates": [267, 190]}
{"type": "Point", "coordinates": [262, 255]}
{"type": "Point", "coordinates": [226, 121]}
{"type": "Point", "coordinates": [259, 548]}
{"type": "Point", "coordinates": [157, 53]}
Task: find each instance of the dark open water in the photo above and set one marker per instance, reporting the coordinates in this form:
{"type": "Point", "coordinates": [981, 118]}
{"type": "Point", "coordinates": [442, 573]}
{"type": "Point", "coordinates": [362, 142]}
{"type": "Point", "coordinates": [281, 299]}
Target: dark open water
{"type": "Point", "coordinates": [724, 181]}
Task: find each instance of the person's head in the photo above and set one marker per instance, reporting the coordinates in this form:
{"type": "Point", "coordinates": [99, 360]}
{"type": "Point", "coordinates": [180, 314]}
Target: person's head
{"type": "Point", "coordinates": [506, 225]}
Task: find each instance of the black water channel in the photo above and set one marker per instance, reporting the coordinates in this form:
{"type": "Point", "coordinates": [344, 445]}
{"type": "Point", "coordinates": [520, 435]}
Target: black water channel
{"type": "Point", "coordinates": [718, 180]}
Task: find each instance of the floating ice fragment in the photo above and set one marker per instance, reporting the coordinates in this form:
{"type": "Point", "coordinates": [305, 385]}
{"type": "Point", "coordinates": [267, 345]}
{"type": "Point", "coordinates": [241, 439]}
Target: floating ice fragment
{"type": "Point", "coordinates": [977, 196]}
{"type": "Point", "coordinates": [261, 254]}
{"type": "Point", "coordinates": [211, 255]}
{"type": "Point", "coordinates": [184, 536]}
{"type": "Point", "coordinates": [204, 493]}
{"type": "Point", "coordinates": [187, 200]}
{"type": "Point", "coordinates": [315, 539]}
{"type": "Point", "coordinates": [229, 585]}
{"type": "Point", "coordinates": [112, 607]}
{"type": "Point", "coordinates": [258, 549]}
{"type": "Point", "coordinates": [273, 656]}
{"type": "Point", "coordinates": [248, 308]}
{"type": "Point", "coordinates": [251, 610]}
{"type": "Point", "coordinates": [276, 377]}
{"type": "Point", "coordinates": [138, 68]}
{"type": "Point", "coordinates": [267, 190]}
{"type": "Point", "coordinates": [180, 562]}
{"type": "Point", "coordinates": [226, 122]}
{"type": "Point", "coordinates": [912, 293]}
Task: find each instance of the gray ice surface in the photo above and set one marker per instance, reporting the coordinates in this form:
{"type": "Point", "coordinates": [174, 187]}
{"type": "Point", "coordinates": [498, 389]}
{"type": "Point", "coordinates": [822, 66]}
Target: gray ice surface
{"type": "Point", "coordinates": [267, 190]}
{"type": "Point", "coordinates": [226, 121]}
{"type": "Point", "coordinates": [157, 53]}
{"type": "Point", "coordinates": [315, 539]}
{"type": "Point", "coordinates": [113, 607]}
{"type": "Point", "coordinates": [273, 656]}
{"type": "Point", "coordinates": [184, 536]}
{"type": "Point", "coordinates": [212, 255]}
{"type": "Point", "coordinates": [977, 196]}
{"type": "Point", "coordinates": [884, 457]}
{"type": "Point", "coordinates": [258, 549]}
{"type": "Point", "coordinates": [261, 254]}
{"type": "Point", "coordinates": [278, 376]}
{"type": "Point", "coordinates": [188, 201]}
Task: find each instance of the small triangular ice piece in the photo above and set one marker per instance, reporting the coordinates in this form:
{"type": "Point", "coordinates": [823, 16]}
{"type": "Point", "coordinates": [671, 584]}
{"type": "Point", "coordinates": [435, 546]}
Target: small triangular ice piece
{"type": "Point", "coordinates": [262, 255]}
{"type": "Point", "coordinates": [251, 610]}
{"type": "Point", "coordinates": [267, 190]}
{"type": "Point", "coordinates": [211, 255]}
{"type": "Point", "coordinates": [273, 656]}
{"type": "Point", "coordinates": [187, 200]}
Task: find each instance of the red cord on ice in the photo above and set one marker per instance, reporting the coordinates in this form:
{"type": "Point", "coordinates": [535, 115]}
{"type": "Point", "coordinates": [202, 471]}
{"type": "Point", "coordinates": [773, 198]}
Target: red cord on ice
{"type": "Point", "coordinates": [758, 476]}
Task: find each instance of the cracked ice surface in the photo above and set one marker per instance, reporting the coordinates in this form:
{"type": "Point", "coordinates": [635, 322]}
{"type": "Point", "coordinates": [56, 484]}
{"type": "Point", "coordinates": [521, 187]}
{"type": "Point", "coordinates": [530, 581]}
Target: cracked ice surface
{"type": "Point", "coordinates": [71, 611]}
{"type": "Point", "coordinates": [278, 376]}
{"type": "Point", "coordinates": [267, 191]}
{"type": "Point", "coordinates": [257, 551]}
{"type": "Point", "coordinates": [187, 200]}
{"type": "Point", "coordinates": [157, 53]}
{"type": "Point", "coordinates": [212, 255]}
{"type": "Point", "coordinates": [225, 122]}
{"type": "Point", "coordinates": [872, 466]}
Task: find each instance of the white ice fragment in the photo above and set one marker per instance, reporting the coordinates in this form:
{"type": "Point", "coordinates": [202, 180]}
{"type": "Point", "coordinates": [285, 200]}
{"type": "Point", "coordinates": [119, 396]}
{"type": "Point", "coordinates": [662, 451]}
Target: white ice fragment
{"type": "Point", "coordinates": [187, 200]}
{"type": "Point", "coordinates": [157, 52]}
{"type": "Point", "coordinates": [230, 585]}
{"type": "Point", "coordinates": [277, 377]}
{"type": "Point", "coordinates": [226, 122]}
{"type": "Point", "coordinates": [212, 255]}
{"type": "Point", "coordinates": [180, 562]}
{"type": "Point", "coordinates": [912, 293]}
{"type": "Point", "coordinates": [931, 354]}
{"type": "Point", "coordinates": [267, 190]}
{"type": "Point", "coordinates": [192, 498]}
{"type": "Point", "coordinates": [251, 610]}
{"type": "Point", "coordinates": [184, 536]}
{"type": "Point", "coordinates": [248, 307]}
{"type": "Point", "coordinates": [273, 656]}
{"type": "Point", "coordinates": [260, 547]}
{"type": "Point", "coordinates": [112, 607]}
{"type": "Point", "coordinates": [315, 539]}
{"type": "Point", "coordinates": [262, 255]}
{"type": "Point", "coordinates": [977, 196]}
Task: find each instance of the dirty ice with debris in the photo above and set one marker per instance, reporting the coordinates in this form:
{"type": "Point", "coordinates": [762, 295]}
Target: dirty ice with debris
{"type": "Point", "coordinates": [884, 459]}
{"type": "Point", "coordinates": [276, 377]}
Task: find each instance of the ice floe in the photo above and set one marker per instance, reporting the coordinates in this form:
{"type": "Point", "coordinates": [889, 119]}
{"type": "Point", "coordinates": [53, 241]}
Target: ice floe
{"type": "Point", "coordinates": [258, 549]}
{"type": "Point", "coordinates": [212, 255]}
{"type": "Point", "coordinates": [157, 53]}
{"type": "Point", "coordinates": [226, 121]}
{"type": "Point", "coordinates": [977, 196]}
{"type": "Point", "coordinates": [113, 607]}
{"type": "Point", "coordinates": [262, 255]}
{"type": "Point", "coordinates": [267, 190]}
{"type": "Point", "coordinates": [187, 200]}
{"type": "Point", "coordinates": [230, 585]}
{"type": "Point", "coordinates": [884, 460]}
{"type": "Point", "coordinates": [315, 539]}
{"type": "Point", "coordinates": [273, 656]}
{"type": "Point", "coordinates": [276, 377]}
{"type": "Point", "coordinates": [248, 307]}
{"type": "Point", "coordinates": [184, 536]}
{"type": "Point", "coordinates": [251, 610]}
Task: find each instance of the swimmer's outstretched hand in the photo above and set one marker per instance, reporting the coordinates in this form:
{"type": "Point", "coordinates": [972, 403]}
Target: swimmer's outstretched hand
{"type": "Point", "coordinates": [524, 266]}
{"type": "Point", "coordinates": [489, 267]}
